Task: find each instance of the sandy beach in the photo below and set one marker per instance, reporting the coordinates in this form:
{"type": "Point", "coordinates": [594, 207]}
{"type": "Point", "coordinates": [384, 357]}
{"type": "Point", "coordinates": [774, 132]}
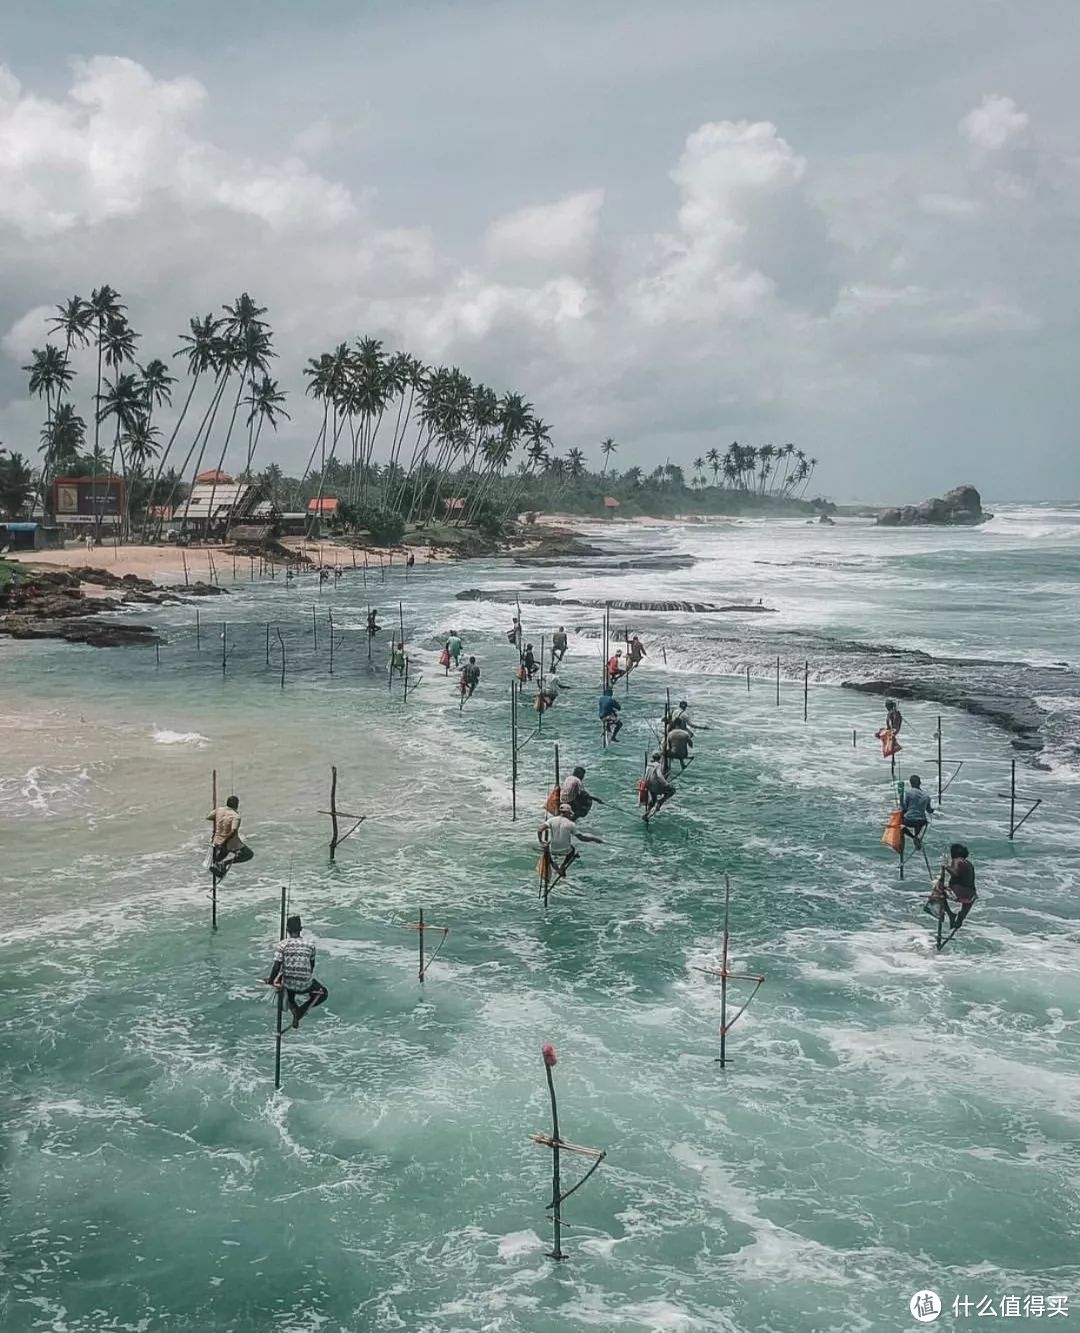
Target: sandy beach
{"type": "Point", "coordinates": [175, 564]}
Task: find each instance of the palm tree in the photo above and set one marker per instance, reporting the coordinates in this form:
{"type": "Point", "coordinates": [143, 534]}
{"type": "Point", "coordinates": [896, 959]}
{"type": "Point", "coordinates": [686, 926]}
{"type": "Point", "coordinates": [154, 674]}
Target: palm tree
{"type": "Point", "coordinates": [49, 374]}
{"type": "Point", "coordinates": [15, 482]}
{"type": "Point", "coordinates": [632, 477]}
{"type": "Point", "coordinates": [607, 448]}
{"type": "Point", "coordinates": [123, 401]}
{"type": "Point", "coordinates": [713, 457]}
{"type": "Point", "coordinates": [103, 308]}
{"type": "Point", "coordinates": [575, 463]}
{"type": "Point", "coordinates": [699, 464]}
{"type": "Point", "coordinates": [203, 345]}
{"type": "Point", "coordinates": [63, 438]}
{"type": "Point", "coordinates": [271, 480]}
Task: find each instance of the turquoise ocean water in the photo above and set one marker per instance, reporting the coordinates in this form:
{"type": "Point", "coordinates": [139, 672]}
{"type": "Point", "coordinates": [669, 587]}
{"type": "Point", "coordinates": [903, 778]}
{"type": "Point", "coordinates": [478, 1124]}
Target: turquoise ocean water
{"type": "Point", "coordinates": [893, 1120]}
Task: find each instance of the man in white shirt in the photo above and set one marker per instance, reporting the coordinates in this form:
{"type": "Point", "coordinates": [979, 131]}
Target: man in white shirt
{"type": "Point", "coordinates": [556, 836]}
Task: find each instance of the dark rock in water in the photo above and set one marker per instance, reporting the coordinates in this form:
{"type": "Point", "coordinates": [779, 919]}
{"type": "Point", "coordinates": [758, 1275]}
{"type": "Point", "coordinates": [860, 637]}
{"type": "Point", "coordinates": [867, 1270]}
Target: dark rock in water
{"type": "Point", "coordinates": [507, 598]}
{"type": "Point", "coordinates": [87, 629]}
{"type": "Point", "coordinates": [604, 562]}
{"type": "Point", "coordinates": [961, 507]}
{"type": "Point", "coordinates": [1020, 716]}
{"type": "Point", "coordinates": [202, 590]}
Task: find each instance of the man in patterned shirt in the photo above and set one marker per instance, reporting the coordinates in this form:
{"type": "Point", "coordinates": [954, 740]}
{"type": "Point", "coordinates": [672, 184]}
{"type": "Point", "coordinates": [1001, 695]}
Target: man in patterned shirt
{"type": "Point", "coordinates": [294, 971]}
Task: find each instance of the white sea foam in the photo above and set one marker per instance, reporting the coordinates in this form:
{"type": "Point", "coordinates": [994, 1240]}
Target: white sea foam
{"type": "Point", "coordinates": [162, 736]}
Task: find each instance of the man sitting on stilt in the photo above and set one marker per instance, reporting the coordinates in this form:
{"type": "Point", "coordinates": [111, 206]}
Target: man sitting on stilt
{"type": "Point", "coordinates": [293, 971]}
{"type": "Point", "coordinates": [227, 850]}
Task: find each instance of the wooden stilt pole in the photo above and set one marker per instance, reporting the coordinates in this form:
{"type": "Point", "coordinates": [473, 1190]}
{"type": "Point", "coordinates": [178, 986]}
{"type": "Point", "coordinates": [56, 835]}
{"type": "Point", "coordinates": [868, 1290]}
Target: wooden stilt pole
{"type": "Point", "coordinates": [853, 740]}
{"type": "Point", "coordinates": [183, 557]}
{"type": "Point", "coordinates": [558, 782]}
{"type": "Point", "coordinates": [330, 618]}
{"type": "Point", "coordinates": [724, 974]}
{"type": "Point", "coordinates": [1012, 800]}
{"type": "Point", "coordinates": [198, 632]}
{"type": "Point", "coordinates": [213, 877]}
{"type": "Point", "coordinates": [556, 1163]}
{"type": "Point", "coordinates": [281, 641]}
{"type": "Point", "coordinates": [333, 811]}
{"type": "Point", "coordinates": [748, 678]}
{"type": "Point", "coordinates": [314, 629]}
{"type": "Point", "coordinates": [420, 933]}
{"type": "Point", "coordinates": [280, 998]}
{"type": "Point", "coordinates": [157, 654]}
{"type": "Point", "coordinates": [940, 793]}
{"type": "Point", "coordinates": [778, 682]}
{"type": "Point", "coordinates": [806, 691]}
{"type": "Point", "coordinates": [514, 749]}
{"type": "Point", "coordinates": [268, 643]}
{"type": "Point", "coordinates": [224, 648]}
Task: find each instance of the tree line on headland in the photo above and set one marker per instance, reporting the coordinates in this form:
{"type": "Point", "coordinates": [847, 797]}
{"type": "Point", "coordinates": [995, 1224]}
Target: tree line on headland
{"type": "Point", "coordinates": [398, 444]}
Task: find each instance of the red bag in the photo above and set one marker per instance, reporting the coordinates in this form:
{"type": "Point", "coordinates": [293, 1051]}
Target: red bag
{"type": "Point", "coordinates": [444, 658]}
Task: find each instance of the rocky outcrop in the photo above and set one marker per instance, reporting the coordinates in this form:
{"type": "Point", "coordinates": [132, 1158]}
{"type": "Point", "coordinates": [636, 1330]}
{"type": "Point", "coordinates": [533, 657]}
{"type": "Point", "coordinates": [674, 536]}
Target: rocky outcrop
{"type": "Point", "coordinates": [648, 562]}
{"type": "Point", "coordinates": [50, 604]}
{"type": "Point", "coordinates": [507, 598]}
{"type": "Point", "coordinates": [959, 508]}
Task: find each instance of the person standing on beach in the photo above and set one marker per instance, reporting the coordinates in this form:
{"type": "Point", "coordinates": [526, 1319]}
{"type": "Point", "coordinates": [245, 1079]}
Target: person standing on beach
{"type": "Point", "coordinates": [558, 646]}
{"type": "Point", "coordinates": [293, 970]}
{"type": "Point", "coordinates": [226, 847]}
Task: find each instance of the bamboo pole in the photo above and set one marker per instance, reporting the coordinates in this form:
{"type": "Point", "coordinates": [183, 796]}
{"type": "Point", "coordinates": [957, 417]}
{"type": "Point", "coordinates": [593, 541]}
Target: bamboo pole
{"type": "Point", "coordinates": [198, 632]}
{"type": "Point", "coordinates": [314, 629]}
{"type": "Point", "coordinates": [514, 749]}
{"type": "Point", "coordinates": [420, 933]}
{"type": "Point", "coordinates": [1012, 800]}
{"type": "Point", "coordinates": [282, 642]}
{"type": "Point", "coordinates": [213, 877]}
{"type": "Point", "coordinates": [556, 1163]}
{"type": "Point", "coordinates": [268, 643]}
{"type": "Point", "coordinates": [280, 997]}
{"type": "Point", "coordinates": [330, 618]}
{"type": "Point", "coordinates": [748, 678]}
{"type": "Point", "coordinates": [724, 974]}
{"type": "Point", "coordinates": [224, 647]}
{"type": "Point", "coordinates": [333, 811]}
{"type": "Point", "coordinates": [940, 793]}
{"type": "Point", "coordinates": [806, 691]}
{"type": "Point", "coordinates": [778, 682]}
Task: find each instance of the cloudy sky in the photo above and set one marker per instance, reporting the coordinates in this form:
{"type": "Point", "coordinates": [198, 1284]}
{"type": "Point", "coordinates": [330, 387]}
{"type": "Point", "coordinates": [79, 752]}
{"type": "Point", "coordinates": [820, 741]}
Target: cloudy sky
{"type": "Point", "coordinates": [851, 224]}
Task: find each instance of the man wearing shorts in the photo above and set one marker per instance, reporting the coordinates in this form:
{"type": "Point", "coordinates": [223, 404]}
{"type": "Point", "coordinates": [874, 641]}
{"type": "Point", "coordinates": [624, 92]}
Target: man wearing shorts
{"type": "Point", "coordinates": [293, 971]}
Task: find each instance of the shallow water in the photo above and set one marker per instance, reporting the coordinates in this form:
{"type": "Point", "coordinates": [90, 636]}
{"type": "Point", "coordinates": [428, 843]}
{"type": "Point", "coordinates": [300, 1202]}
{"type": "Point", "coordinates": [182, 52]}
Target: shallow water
{"type": "Point", "coordinates": [892, 1119]}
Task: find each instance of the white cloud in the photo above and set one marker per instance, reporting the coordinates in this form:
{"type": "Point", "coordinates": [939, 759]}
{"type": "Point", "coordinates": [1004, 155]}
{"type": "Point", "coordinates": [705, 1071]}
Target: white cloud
{"type": "Point", "coordinates": [996, 123]}
{"type": "Point", "coordinates": [561, 233]}
{"type": "Point", "coordinates": [121, 137]}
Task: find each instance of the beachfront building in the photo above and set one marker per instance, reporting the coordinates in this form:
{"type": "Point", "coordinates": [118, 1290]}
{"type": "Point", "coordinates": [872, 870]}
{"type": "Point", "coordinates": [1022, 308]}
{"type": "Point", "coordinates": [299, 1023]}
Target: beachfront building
{"type": "Point", "coordinates": [216, 501]}
{"type": "Point", "coordinates": [79, 502]}
{"type": "Point", "coordinates": [324, 511]}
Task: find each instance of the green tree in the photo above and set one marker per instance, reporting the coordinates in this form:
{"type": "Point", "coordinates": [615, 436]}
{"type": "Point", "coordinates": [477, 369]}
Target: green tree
{"type": "Point", "coordinates": [16, 482]}
{"type": "Point", "coordinates": [63, 439]}
{"type": "Point", "coordinates": [607, 448]}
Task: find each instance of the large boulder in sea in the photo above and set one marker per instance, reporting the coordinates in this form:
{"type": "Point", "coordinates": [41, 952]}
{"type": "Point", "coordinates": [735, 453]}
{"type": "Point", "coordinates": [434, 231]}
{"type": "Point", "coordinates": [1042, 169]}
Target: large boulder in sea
{"type": "Point", "coordinates": [961, 507]}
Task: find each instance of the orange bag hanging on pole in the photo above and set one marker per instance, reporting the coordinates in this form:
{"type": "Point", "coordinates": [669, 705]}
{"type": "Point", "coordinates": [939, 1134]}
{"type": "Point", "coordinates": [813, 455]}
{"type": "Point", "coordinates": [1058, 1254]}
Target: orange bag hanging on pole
{"type": "Point", "coordinates": [889, 744]}
{"type": "Point", "coordinates": [444, 658]}
{"type": "Point", "coordinates": [551, 805]}
{"type": "Point", "coordinates": [894, 831]}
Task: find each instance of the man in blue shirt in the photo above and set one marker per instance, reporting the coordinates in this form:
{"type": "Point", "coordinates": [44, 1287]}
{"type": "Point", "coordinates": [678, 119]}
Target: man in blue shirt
{"type": "Point", "coordinates": [915, 810]}
{"type": "Point", "coordinates": [609, 709]}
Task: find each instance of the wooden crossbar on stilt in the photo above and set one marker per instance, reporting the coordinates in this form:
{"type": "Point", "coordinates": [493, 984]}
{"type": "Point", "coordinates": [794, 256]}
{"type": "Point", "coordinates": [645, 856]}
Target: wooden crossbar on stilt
{"type": "Point", "coordinates": [1012, 796]}
{"type": "Point", "coordinates": [725, 976]}
{"type": "Point", "coordinates": [555, 1142]}
{"type": "Point", "coordinates": [426, 960]}
{"type": "Point", "coordinates": [337, 838]}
